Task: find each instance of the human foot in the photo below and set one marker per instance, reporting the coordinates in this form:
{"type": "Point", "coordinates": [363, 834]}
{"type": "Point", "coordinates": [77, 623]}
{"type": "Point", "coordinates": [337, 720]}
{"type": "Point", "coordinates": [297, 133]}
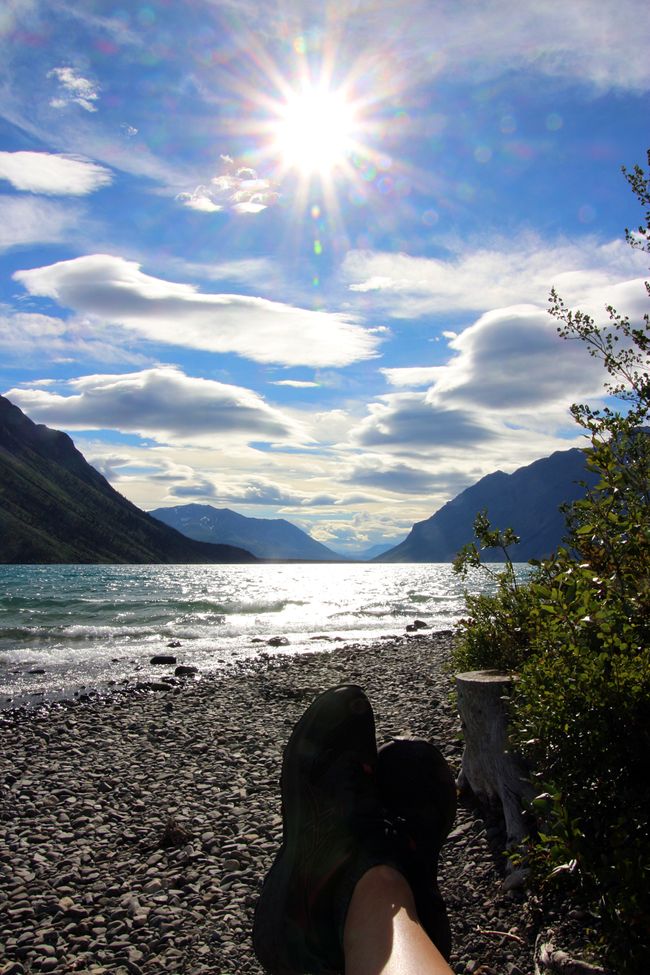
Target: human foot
{"type": "Point", "coordinates": [333, 831]}
{"type": "Point", "coordinates": [418, 792]}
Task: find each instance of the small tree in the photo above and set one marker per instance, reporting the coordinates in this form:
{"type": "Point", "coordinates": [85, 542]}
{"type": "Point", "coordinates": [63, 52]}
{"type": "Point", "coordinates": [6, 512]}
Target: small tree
{"type": "Point", "coordinates": [583, 705]}
{"type": "Point", "coordinates": [496, 633]}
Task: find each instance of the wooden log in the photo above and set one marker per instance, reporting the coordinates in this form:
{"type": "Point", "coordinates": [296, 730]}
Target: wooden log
{"type": "Point", "coordinates": [549, 960]}
{"type": "Point", "coordinates": [489, 769]}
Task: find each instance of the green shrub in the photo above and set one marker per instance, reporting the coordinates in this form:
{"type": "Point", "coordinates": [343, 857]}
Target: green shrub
{"type": "Point", "coordinates": [578, 632]}
{"type": "Point", "coordinates": [496, 634]}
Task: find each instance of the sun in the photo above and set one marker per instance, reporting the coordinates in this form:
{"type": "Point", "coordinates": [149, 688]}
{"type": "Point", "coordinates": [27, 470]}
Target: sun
{"type": "Point", "coordinates": [314, 132]}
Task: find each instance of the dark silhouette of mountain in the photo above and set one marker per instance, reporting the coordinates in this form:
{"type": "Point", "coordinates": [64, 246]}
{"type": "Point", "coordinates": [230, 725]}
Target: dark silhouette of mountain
{"type": "Point", "coordinates": [527, 500]}
{"type": "Point", "coordinates": [55, 507]}
{"type": "Point", "coordinates": [268, 538]}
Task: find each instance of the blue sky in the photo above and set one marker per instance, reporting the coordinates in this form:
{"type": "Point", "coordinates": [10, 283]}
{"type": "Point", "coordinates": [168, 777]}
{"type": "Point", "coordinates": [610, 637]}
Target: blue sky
{"type": "Point", "coordinates": [294, 259]}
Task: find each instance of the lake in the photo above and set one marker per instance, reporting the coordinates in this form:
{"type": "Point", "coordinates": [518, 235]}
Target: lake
{"type": "Point", "coordinates": [85, 625]}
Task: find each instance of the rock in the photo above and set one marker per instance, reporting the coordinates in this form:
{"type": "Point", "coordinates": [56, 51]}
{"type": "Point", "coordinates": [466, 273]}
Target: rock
{"type": "Point", "coordinates": [185, 670]}
{"type": "Point", "coordinates": [174, 645]}
{"type": "Point", "coordinates": [278, 641]}
{"type": "Point", "coordinates": [163, 658]}
{"type": "Point", "coordinates": [209, 763]}
{"type": "Point", "coordinates": [174, 834]}
{"type": "Point", "coordinates": [514, 881]}
{"type": "Point", "coordinates": [416, 625]}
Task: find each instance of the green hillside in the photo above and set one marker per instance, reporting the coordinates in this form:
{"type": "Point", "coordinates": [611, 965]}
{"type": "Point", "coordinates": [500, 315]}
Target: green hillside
{"type": "Point", "coordinates": [55, 507]}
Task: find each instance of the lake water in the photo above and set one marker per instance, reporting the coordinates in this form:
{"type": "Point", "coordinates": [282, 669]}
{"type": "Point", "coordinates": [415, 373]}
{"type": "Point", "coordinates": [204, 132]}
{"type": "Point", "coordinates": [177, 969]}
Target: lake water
{"type": "Point", "coordinates": [86, 625]}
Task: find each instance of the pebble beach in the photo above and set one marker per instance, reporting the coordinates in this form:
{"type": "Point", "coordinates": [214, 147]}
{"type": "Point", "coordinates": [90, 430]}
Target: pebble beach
{"type": "Point", "coordinates": [136, 830]}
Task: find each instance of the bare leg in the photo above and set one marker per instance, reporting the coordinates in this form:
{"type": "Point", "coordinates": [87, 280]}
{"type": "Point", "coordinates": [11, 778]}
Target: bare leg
{"type": "Point", "coordinates": [382, 933]}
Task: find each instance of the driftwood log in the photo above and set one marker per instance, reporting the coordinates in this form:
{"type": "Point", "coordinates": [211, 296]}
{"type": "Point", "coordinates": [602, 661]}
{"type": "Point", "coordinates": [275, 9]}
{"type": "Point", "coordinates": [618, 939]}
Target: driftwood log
{"type": "Point", "coordinates": [549, 960]}
{"type": "Point", "coordinates": [490, 770]}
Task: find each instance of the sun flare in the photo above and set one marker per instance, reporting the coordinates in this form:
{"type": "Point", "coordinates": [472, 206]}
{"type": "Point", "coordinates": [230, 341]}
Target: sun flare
{"type": "Point", "coordinates": [314, 132]}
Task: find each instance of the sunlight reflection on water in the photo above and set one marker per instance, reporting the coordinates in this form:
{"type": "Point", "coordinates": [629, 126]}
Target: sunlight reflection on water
{"type": "Point", "coordinates": [86, 624]}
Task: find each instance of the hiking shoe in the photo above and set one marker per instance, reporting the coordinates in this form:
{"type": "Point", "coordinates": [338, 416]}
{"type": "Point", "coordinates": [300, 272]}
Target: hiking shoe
{"type": "Point", "coordinates": [418, 792]}
{"type": "Point", "coordinates": [333, 831]}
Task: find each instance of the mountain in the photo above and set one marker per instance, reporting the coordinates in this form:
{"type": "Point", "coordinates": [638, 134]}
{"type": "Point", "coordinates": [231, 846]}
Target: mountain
{"type": "Point", "coordinates": [268, 538]}
{"type": "Point", "coordinates": [527, 500]}
{"type": "Point", "coordinates": [55, 507]}
{"type": "Point", "coordinates": [368, 554]}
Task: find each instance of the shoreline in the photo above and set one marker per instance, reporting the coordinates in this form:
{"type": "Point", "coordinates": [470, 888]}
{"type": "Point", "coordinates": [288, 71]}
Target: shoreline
{"type": "Point", "coordinates": [144, 675]}
{"type": "Point", "coordinates": [93, 790]}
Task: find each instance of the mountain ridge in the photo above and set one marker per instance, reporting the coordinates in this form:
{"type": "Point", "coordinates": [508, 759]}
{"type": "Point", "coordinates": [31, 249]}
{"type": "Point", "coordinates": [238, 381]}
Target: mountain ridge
{"type": "Point", "coordinates": [268, 538]}
{"type": "Point", "coordinates": [527, 500]}
{"type": "Point", "coordinates": [55, 507]}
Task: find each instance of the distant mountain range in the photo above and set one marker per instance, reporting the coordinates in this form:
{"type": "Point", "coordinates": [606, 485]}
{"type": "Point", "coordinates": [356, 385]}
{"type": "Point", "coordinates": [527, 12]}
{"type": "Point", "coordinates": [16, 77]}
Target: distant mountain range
{"type": "Point", "coordinates": [527, 500]}
{"type": "Point", "coordinates": [368, 554]}
{"type": "Point", "coordinates": [268, 538]}
{"type": "Point", "coordinates": [55, 507]}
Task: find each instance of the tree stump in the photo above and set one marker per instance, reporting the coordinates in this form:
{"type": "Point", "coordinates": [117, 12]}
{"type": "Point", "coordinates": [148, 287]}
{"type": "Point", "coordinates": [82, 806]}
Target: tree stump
{"type": "Point", "coordinates": [489, 770]}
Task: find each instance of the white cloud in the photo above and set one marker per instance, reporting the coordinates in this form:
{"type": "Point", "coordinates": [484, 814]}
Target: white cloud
{"type": "Point", "coordinates": [581, 41]}
{"type": "Point", "coordinates": [512, 359]}
{"type": "Point", "coordinates": [262, 491]}
{"type": "Point", "coordinates": [399, 478]}
{"type": "Point", "coordinates": [251, 270]}
{"type": "Point", "coordinates": [509, 375]}
{"type": "Point", "coordinates": [53, 175]}
{"type": "Point", "coordinates": [412, 447]}
{"type": "Point", "coordinates": [412, 376]}
{"type": "Point", "coordinates": [578, 41]}
{"type": "Point", "coordinates": [295, 383]}
{"type": "Point", "coordinates": [73, 89]}
{"type": "Point", "coordinates": [27, 337]}
{"type": "Point", "coordinates": [509, 272]}
{"type": "Point", "coordinates": [115, 290]}
{"type": "Point", "coordinates": [162, 403]}
{"type": "Point", "coordinates": [411, 423]}
{"type": "Point", "coordinates": [31, 220]}
{"type": "Point", "coordinates": [239, 189]}
{"type": "Point", "coordinates": [261, 273]}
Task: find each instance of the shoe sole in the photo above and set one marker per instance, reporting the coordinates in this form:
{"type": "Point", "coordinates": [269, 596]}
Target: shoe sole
{"type": "Point", "coordinates": [279, 945]}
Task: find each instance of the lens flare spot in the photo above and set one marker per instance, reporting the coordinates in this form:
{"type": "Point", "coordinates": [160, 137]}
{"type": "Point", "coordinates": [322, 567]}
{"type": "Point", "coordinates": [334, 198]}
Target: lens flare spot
{"type": "Point", "coordinates": [146, 16]}
{"type": "Point", "coordinates": [357, 196]}
{"type": "Point", "coordinates": [465, 192]}
{"type": "Point", "coordinates": [554, 122]}
{"type": "Point", "coordinates": [403, 187]}
{"type": "Point", "coordinates": [482, 154]}
{"type": "Point", "coordinates": [318, 248]}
